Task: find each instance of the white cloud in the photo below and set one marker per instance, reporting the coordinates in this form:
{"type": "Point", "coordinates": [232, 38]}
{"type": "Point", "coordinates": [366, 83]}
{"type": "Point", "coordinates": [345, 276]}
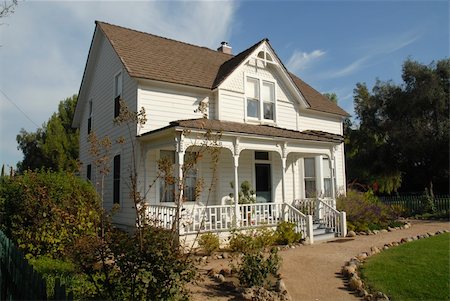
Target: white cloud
{"type": "Point", "coordinates": [300, 61]}
{"type": "Point", "coordinates": [375, 50]}
{"type": "Point", "coordinates": [44, 47]}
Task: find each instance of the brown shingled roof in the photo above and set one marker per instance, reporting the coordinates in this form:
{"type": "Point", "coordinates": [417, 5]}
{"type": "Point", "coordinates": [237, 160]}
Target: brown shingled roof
{"type": "Point", "coordinates": [253, 129]}
{"type": "Point", "coordinates": [153, 57]}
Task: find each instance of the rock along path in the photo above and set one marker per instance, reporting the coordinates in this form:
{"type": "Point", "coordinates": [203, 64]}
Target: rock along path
{"type": "Point", "coordinates": [313, 272]}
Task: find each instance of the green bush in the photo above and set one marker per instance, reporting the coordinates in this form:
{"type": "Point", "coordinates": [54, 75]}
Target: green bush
{"type": "Point", "coordinates": [365, 211]}
{"type": "Point", "coordinates": [209, 242]}
{"type": "Point", "coordinates": [251, 241]}
{"type": "Point", "coordinates": [52, 269]}
{"type": "Point", "coordinates": [143, 265]}
{"type": "Point", "coordinates": [256, 268]}
{"type": "Point", "coordinates": [286, 235]}
{"type": "Point", "coordinates": [44, 212]}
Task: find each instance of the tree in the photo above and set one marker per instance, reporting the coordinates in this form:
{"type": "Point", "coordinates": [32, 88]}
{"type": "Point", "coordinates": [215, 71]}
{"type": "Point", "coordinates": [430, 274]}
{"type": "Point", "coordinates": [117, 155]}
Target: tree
{"type": "Point", "coordinates": [331, 96]}
{"type": "Point", "coordinates": [7, 8]}
{"type": "Point", "coordinates": [53, 146]}
{"type": "Point", "coordinates": [403, 134]}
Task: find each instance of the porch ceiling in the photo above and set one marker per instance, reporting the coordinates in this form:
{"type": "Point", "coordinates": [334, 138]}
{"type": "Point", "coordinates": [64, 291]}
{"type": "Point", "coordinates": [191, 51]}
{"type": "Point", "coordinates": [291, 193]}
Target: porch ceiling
{"type": "Point", "coordinates": [251, 129]}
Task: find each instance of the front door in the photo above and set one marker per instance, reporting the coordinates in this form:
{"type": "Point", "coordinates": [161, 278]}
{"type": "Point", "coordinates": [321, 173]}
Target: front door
{"type": "Point", "coordinates": [263, 183]}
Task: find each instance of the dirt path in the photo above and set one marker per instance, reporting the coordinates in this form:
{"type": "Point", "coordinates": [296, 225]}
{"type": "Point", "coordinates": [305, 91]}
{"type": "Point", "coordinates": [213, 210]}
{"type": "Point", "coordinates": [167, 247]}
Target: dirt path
{"type": "Point", "coordinates": [313, 272]}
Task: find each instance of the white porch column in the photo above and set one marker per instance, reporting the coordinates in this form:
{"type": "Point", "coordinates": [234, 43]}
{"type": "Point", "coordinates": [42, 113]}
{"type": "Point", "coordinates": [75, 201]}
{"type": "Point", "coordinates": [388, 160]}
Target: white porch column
{"type": "Point", "coordinates": [333, 175]}
{"type": "Point", "coordinates": [236, 189]}
{"type": "Point", "coordinates": [236, 181]}
{"type": "Point", "coordinates": [283, 178]}
{"type": "Point", "coordinates": [343, 220]}
{"type": "Point", "coordinates": [180, 162]}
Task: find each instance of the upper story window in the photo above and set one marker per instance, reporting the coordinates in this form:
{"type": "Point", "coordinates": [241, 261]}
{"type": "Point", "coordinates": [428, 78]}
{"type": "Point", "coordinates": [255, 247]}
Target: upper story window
{"type": "Point", "coordinates": [260, 95]}
{"type": "Point", "coordinates": [117, 93]}
{"type": "Point", "coordinates": [89, 125]}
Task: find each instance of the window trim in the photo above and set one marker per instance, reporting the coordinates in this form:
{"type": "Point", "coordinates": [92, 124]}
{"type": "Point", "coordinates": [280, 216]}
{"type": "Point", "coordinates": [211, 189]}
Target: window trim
{"type": "Point", "coordinates": [326, 161]}
{"type": "Point", "coordinates": [309, 178]}
{"type": "Point", "coordinates": [89, 172]}
{"type": "Point", "coordinates": [91, 111]}
{"type": "Point", "coordinates": [260, 118]}
{"type": "Point", "coordinates": [117, 96]}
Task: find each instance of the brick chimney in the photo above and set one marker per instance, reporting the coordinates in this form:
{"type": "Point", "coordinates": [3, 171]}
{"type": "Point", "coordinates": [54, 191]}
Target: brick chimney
{"type": "Point", "coordinates": [225, 48]}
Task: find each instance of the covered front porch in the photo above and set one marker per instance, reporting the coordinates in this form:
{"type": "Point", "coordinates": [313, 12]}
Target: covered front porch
{"type": "Point", "coordinates": [292, 175]}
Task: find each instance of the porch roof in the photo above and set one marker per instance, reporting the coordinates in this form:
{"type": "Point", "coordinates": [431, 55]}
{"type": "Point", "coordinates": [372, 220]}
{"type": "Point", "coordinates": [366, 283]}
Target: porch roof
{"type": "Point", "coordinates": [252, 129]}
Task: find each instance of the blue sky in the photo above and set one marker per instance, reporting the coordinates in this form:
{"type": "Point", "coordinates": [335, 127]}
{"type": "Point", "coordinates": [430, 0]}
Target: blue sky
{"type": "Point", "coordinates": [332, 45]}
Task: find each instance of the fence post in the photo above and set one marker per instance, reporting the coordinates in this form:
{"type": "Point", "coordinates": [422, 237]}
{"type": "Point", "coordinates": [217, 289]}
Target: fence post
{"type": "Point", "coordinates": [343, 223]}
{"type": "Point", "coordinates": [310, 229]}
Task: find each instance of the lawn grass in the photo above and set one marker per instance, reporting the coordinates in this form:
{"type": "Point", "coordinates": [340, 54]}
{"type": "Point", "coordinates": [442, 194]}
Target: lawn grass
{"type": "Point", "coordinates": [418, 270]}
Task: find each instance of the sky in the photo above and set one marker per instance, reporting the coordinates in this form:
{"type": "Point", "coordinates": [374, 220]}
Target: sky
{"type": "Point", "coordinates": [332, 45]}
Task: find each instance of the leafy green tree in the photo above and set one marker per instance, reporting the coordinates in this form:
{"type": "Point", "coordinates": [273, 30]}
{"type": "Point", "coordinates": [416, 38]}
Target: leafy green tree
{"type": "Point", "coordinates": [53, 146]}
{"type": "Point", "coordinates": [45, 212]}
{"type": "Point", "coordinates": [403, 133]}
{"type": "Point", "coordinates": [331, 96]}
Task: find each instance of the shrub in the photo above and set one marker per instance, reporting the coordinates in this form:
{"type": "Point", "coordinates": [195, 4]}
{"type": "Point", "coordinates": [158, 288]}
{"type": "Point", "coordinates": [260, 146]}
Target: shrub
{"type": "Point", "coordinates": [286, 235]}
{"type": "Point", "coordinates": [209, 242]}
{"type": "Point", "coordinates": [251, 241]}
{"type": "Point", "coordinates": [44, 212]}
{"type": "Point", "coordinates": [52, 269]}
{"type": "Point", "coordinates": [365, 211]}
{"type": "Point", "coordinates": [144, 265]}
{"type": "Point", "coordinates": [241, 242]}
{"type": "Point", "coordinates": [256, 268]}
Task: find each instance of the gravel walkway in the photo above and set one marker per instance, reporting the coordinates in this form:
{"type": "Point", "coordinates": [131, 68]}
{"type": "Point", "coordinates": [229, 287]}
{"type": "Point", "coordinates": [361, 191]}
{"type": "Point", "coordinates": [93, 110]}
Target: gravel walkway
{"type": "Point", "coordinates": [313, 272]}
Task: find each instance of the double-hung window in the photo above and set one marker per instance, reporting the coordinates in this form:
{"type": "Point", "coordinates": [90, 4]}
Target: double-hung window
{"type": "Point", "coordinates": [260, 95]}
{"type": "Point", "coordinates": [326, 178]}
{"type": "Point", "coordinates": [117, 93]}
{"type": "Point", "coordinates": [89, 125]}
{"type": "Point", "coordinates": [310, 177]}
{"type": "Point", "coordinates": [253, 97]}
{"type": "Point", "coordinates": [167, 185]}
{"type": "Point", "coordinates": [190, 177]}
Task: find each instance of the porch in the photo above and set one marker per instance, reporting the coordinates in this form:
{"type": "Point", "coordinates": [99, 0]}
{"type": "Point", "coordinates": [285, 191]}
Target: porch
{"type": "Point", "coordinates": [282, 166]}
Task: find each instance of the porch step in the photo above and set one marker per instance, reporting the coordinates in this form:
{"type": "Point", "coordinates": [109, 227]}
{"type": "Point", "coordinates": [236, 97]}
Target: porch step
{"type": "Point", "coordinates": [322, 233]}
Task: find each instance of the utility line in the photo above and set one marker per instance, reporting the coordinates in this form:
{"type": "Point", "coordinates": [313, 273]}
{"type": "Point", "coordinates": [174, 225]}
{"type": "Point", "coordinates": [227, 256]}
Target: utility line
{"type": "Point", "coordinates": [18, 108]}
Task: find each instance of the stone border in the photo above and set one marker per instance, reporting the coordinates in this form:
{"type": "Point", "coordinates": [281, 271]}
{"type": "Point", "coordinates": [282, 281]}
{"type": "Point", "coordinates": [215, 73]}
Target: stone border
{"type": "Point", "coordinates": [350, 269]}
{"type": "Point", "coordinates": [407, 225]}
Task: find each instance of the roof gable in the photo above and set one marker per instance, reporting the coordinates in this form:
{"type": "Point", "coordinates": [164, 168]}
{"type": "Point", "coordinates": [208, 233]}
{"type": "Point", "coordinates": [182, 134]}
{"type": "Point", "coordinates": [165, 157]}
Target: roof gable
{"type": "Point", "coordinates": [153, 57]}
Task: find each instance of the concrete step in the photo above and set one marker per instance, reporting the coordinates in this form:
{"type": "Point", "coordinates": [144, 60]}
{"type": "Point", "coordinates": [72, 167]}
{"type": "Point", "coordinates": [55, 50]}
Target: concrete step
{"type": "Point", "coordinates": [324, 236]}
{"type": "Point", "coordinates": [320, 231]}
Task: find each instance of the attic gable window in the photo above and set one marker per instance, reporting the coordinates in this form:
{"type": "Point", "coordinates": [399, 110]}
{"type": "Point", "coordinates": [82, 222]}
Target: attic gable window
{"type": "Point", "coordinates": [117, 93]}
{"type": "Point", "coordinates": [260, 97]}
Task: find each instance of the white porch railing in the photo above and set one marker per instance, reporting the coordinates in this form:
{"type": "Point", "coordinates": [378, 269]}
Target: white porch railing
{"type": "Point", "coordinates": [161, 215]}
{"type": "Point", "coordinates": [260, 214]}
{"type": "Point", "coordinates": [222, 217]}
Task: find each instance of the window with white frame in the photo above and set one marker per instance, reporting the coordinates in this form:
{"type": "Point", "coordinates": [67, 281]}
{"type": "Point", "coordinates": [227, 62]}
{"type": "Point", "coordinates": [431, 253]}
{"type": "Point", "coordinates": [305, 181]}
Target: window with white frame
{"type": "Point", "coordinates": [260, 95]}
{"type": "Point", "coordinates": [310, 177]}
{"type": "Point", "coordinates": [190, 177]}
{"type": "Point", "coordinates": [89, 125]}
{"type": "Point", "coordinates": [117, 93]}
{"type": "Point", "coordinates": [167, 185]}
{"type": "Point", "coordinates": [326, 172]}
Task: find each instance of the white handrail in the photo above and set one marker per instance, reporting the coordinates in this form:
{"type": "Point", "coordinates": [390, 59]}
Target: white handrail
{"type": "Point", "coordinates": [299, 219]}
{"type": "Point", "coordinates": [329, 216]}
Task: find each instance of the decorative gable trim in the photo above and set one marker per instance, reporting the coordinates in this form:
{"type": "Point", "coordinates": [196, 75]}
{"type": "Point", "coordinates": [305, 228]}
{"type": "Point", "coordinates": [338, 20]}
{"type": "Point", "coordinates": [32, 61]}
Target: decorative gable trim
{"type": "Point", "coordinates": [263, 54]}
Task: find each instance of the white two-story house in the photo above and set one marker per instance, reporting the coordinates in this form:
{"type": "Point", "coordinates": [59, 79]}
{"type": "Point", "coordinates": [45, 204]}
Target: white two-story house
{"type": "Point", "coordinates": [276, 132]}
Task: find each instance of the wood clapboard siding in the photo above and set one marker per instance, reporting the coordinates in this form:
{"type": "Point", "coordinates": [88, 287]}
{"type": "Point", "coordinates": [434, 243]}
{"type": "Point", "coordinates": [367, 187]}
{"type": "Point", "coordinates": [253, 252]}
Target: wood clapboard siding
{"type": "Point", "coordinates": [101, 91]}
